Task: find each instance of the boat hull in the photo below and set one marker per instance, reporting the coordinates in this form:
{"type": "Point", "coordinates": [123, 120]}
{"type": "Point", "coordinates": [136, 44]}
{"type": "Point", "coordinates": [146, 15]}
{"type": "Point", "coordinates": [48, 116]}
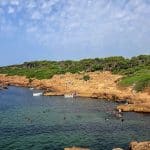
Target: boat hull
{"type": "Point", "coordinates": [37, 94]}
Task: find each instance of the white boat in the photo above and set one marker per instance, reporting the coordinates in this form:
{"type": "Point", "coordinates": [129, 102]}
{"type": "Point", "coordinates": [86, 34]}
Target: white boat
{"type": "Point", "coordinates": [69, 95]}
{"type": "Point", "coordinates": [37, 94]}
{"type": "Point", "coordinates": [31, 88]}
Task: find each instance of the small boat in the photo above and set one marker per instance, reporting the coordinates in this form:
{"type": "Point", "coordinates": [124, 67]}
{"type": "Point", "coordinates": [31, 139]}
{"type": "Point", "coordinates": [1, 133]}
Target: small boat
{"type": "Point", "coordinates": [38, 94]}
{"type": "Point", "coordinates": [120, 110]}
{"type": "Point", "coordinates": [69, 95]}
{"type": "Point", "coordinates": [31, 88]}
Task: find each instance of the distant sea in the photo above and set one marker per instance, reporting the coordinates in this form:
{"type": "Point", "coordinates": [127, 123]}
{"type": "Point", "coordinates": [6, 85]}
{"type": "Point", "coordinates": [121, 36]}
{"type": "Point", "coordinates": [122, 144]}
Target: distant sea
{"type": "Point", "coordinates": [52, 123]}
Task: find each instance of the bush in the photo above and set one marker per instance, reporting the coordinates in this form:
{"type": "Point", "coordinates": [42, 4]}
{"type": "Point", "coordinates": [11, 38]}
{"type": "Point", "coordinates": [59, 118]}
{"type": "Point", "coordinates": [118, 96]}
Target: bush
{"type": "Point", "coordinates": [142, 84]}
{"type": "Point", "coordinates": [30, 80]}
{"type": "Point", "coordinates": [140, 79]}
{"type": "Point", "coordinates": [86, 77]}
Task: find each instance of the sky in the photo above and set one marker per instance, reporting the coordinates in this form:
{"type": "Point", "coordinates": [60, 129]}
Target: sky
{"type": "Point", "coordinates": [72, 29]}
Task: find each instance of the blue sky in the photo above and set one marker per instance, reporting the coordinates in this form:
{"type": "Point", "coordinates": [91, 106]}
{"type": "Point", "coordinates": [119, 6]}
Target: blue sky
{"type": "Point", "coordinates": [72, 29]}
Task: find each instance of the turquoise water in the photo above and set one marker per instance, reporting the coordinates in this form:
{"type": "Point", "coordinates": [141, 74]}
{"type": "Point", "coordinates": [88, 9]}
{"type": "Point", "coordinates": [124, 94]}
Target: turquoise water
{"type": "Point", "coordinates": [52, 123]}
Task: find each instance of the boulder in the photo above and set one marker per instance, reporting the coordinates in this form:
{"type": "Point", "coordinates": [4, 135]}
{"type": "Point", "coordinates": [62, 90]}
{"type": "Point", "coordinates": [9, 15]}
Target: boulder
{"type": "Point", "coordinates": [140, 145]}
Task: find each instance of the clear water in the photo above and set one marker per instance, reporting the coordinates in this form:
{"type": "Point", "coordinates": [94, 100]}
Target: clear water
{"type": "Point", "coordinates": [52, 123]}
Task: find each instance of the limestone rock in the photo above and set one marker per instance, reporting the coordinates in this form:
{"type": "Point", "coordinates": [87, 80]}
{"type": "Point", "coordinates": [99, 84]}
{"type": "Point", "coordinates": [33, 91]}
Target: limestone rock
{"type": "Point", "coordinates": [140, 145]}
{"type": "Point", "coordinates": [117, 149]}
{"type": "Point", "coordinates": [142, 107]}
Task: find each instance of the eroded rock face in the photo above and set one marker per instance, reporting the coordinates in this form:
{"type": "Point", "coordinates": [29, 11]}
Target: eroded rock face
{"type": "Point", "coordinates": [14, 80]}
{"type": "Point", "coordinates": [100, 85]}
{"type": "Point", "coordinates": [140, 145]}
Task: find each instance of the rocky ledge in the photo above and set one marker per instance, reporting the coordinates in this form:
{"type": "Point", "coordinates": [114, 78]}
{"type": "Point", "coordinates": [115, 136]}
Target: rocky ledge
{"type": "Point", "coordinates": [101, 85]}
{"type": "Point", "coordinates": [141, 107]}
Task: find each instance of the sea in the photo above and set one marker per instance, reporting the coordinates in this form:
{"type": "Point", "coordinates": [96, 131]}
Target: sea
{"type": "Point", "coordinates": [53, 123]}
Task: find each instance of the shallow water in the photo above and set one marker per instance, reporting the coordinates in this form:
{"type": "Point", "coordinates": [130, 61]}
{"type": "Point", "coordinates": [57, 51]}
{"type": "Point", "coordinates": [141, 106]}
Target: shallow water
{"type": "Point", "coordinates": [52, 123]}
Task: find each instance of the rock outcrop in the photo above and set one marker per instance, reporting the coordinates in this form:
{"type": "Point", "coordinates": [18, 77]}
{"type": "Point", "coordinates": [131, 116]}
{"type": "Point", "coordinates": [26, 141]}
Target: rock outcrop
{"type": "Point", "coordinates": [140, 145]}
{"type": "Point", "coordinates": [141, 107]}
{"type": "Point", "coordinates": [14, 80]}
{"type": "Point", "coordinates": [100, 85]}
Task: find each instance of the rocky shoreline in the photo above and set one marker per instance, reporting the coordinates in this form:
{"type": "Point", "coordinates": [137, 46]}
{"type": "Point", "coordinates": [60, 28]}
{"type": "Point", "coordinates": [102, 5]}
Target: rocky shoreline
{"type": "Point", "coordinates": [101, 85]}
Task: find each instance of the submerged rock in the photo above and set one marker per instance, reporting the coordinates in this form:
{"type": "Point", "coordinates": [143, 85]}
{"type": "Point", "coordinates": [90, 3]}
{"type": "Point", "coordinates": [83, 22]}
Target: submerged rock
{"type": "Point", "coordinates": [3, 87]}
{"type": "Point", "coordinates": [76, 148]}
{"type": "Point", "coordinates": [117, 149]}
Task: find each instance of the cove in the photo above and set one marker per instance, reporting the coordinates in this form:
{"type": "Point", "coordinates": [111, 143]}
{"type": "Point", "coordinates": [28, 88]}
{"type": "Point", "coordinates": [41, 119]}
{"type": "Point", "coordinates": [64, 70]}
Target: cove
{"type": "Point", "coordinates": [52, 123]}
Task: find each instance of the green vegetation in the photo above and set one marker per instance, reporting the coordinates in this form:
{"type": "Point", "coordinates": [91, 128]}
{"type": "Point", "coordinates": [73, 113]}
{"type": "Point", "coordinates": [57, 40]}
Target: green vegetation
{"type": "Point", "coordinates": [136, 70]}
{"type": "Point", "coordinates": [139, 79]}
{"type": "Point", "coordinates": [86, 77]}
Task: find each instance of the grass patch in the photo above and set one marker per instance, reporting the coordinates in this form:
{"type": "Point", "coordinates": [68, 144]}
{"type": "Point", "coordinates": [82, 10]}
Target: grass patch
{"type": "Point", "coordinates": [139, 80]}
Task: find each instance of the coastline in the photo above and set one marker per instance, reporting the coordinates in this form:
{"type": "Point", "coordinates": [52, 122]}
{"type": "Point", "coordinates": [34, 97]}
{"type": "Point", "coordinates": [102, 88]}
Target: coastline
{"type": "Point", "coordinates": [139, 102]}
{"type": "Point", "coordinates": [102, 85]}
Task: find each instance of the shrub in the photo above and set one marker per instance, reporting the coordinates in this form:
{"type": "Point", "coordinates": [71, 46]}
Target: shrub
{"type": "Point", "coordinates": [142, 84]}
{"type": "Point", "coordinates": [86, 77]}
{"type": "Point", "coordinates": [30, 80]}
